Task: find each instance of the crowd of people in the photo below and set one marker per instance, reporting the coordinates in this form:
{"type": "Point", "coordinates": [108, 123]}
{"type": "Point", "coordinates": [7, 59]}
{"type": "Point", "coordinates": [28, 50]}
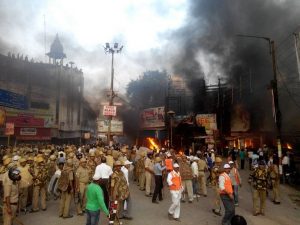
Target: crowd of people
{"type": "Point", "coordinates": [96, 178]}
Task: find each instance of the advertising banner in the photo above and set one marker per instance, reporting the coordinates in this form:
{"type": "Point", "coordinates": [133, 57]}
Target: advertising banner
{"type": "Point", "coordinates": [153, 118]}
{"type": "Point", "coordinates": [26, 120]}
{"type": "Point", "coordinates": [116, 126]}
{"type": "Point", "coordinates": [28, 131]}
{"type": "Point", "coordinates": [33, 134]}
{"type": "Point", "coordinates": [13, 100]}
{"type": "Point", "coordinates": [109, 110]}
{"type": "Point", "coordinates": [209, 121]}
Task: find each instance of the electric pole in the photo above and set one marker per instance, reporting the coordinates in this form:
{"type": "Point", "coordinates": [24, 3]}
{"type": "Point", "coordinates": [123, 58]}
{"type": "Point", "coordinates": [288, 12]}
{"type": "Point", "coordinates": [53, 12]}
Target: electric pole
{"type": "Point", "coordinates": [111, 50]}
{"type": "Point", "coordinates": [274, 87]}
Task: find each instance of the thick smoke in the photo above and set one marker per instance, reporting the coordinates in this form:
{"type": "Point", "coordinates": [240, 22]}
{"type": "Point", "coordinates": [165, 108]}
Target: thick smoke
{"type": "Point", "coordinates": [211, 48]}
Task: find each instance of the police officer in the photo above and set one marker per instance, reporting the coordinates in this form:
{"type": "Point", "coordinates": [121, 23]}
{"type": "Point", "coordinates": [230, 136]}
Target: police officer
{"type": "Point", "coordinates": [275, 180]}
{"type": "Point", "coordinates": [25, 183]}
{"type": "Point", "coordinates": [141, 171]}
{"type": "Point", "coordinates": [119, 189]}
{"type": "Point", "coordinates": [11, 194]}
{"type": "Point", "coordinates": [149, 165]}
{"type": "Point", "coordinates": [91, 165]}
{"type": "Point", "coordinates": [259, 183]}
{"type": "Point", "coordinates": [202, 168]}
{"type": "Point", "coordinates": [40, 178]}
{"type": "Point", "coordinates": [215, 172]}
{"type": "Point", "coordinates": [82, 180]}
{"type": "Point", "coordinates": [66, 186]}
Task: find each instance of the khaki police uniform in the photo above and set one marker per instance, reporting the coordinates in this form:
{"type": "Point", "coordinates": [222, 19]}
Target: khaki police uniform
{"type": "Point", "coordinates": [149, 165]}
{"type": "Point", "coordinates": [82, 176]}
{"type": "Point", "coordinates": [215, 172]}
{"type": "Point", "coordinates": [11, 191]}
{"type": "Point", "coordinates": [202, 167]}
{"type": "Point", "coordinates": [141, 172]}
{"type": "Point", "coordinates": [40, 178]}
{"type": "Point", "coordinates": [67, 194]}
{"type": "Point", "coordinates": [25, 183]}
{"type": "Point", "coordinates": [275, 180]}
{"type": "Point", "coordinates": [259, 182]}
{"type": "Point", "coordinates": [119, 189]}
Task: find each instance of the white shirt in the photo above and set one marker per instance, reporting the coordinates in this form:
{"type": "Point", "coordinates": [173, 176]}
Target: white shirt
{"type": "Point", "coordinates": [104, 171]}
{"type": "Point", "coordinates": [125, 171]}
{"type": "Point", "coordinates": [195, 169]}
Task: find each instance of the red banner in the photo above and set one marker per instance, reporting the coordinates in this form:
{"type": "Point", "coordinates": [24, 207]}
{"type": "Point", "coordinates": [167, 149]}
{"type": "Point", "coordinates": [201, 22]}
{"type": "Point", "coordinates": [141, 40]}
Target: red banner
{"type": "Point", "coordinates": [26, 120]}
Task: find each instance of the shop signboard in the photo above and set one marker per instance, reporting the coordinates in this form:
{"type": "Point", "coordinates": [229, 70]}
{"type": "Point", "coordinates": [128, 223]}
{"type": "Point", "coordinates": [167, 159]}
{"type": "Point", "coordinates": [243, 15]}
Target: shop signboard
{"type": "Point", "coordinates": [116, 126]}
{"type": "Point", "coordinates": [30, 131]}
{"type": "Point", "coordinates": [109, 110]}
{"type": "Point", "coordinates": [153, 118]}
{"type": "Point", "coordinates": [209, 121]}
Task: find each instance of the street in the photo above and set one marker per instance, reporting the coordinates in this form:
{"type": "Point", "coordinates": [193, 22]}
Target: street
{"type": "Point", "coordinates": [144, 212]}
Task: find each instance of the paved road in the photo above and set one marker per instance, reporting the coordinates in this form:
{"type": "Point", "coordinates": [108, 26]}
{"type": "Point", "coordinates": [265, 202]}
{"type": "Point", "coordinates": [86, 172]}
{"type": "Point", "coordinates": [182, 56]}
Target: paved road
{"type": "Point", "coordinates": [147, 213]}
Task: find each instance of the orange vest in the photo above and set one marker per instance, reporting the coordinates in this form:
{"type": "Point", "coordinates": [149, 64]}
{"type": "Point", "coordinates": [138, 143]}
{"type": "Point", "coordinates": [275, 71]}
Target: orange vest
{"type": "Point", "coordinates": [227, 184]}
{"type": "Point", "coordinates": [169, 164]}
{"type": "Point", "coordinates": [176, 180]}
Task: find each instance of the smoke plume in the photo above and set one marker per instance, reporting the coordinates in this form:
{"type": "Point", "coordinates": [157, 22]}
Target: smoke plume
{"type": "Point", "coordinates": [211, 47]}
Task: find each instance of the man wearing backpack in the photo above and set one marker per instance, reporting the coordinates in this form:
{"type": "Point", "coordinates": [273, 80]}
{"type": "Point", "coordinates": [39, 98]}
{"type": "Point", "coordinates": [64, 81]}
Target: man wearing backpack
{"type": "Point", "coordinates": [66, 186]}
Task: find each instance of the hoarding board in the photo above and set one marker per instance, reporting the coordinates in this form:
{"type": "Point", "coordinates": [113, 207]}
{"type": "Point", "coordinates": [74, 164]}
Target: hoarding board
{"type": "Point", "coordinates": [13, 100]}
{"type": "Point", "coordinates": [116, 126]}
{"type": "Point", "coordinates": [153, 118]}
{"type": "Point", "coordinates": [28, 131]}
{"type": "Point", "coordinates": [209, 121]}
{"type": "Point", "coordinates": [109, 110]}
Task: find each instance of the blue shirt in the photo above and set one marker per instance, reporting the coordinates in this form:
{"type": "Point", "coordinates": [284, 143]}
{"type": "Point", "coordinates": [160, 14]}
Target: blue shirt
{"type": "Point", "coordinates": [158, 169]}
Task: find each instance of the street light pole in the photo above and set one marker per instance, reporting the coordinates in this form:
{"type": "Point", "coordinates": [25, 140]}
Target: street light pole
{"type": "Point", "coordinates": [274, 87]}
{"type": "Point", "coordinates": [111, 50]}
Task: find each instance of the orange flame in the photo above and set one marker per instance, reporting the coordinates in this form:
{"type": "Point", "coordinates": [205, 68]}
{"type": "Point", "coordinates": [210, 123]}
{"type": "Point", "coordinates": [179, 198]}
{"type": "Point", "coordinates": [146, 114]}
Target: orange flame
{"type": "Point", "coordinates": [153, 145]}
{"type": "Point", "coordinates": [289, 146]}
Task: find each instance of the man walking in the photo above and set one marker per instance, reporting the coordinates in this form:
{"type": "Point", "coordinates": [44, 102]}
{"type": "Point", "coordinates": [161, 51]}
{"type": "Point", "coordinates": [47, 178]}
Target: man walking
{"type": "Point", "coordinates": [95, 202]}
{"type": "Point", "coordinates": [158, 169]}
{"type": "Point", "coordinates": [175, 185]}
{"type": "Point", "coordinates": [226, 195]}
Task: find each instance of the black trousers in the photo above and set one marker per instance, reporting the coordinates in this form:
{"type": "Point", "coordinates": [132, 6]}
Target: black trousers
{"type": "Point", "coordinates": [158, 188]}
{"type": "Point", "coordinates": [104, 186]}
{"type": "Point", "coordinates": [229, 209]}
{"type": "Point", "coordinates": [242, 164]}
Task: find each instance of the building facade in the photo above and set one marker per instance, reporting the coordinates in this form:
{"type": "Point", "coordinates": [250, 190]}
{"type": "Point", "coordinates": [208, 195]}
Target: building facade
{"type": "Point", "coordinates": [44, 101]}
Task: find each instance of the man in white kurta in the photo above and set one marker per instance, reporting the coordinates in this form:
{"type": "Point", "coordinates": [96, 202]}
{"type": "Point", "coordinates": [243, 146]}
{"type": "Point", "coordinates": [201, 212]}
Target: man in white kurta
{"type": "Point", "coordinates": [175, 185]}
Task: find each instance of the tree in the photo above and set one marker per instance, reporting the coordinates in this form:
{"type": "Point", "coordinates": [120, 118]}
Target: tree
{"type": "Point", "coordinates": [149, 90]}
